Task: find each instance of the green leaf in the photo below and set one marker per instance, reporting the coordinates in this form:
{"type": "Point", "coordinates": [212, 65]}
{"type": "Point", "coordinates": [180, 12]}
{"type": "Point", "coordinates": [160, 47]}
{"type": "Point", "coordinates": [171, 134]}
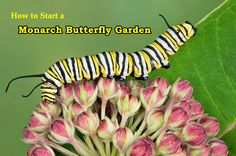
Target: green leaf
{"type": "Point", "coordinates": [208, 62]}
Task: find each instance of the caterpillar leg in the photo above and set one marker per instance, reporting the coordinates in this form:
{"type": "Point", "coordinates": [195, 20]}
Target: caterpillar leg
{"type": "Point", "coordinates": [166, 66]}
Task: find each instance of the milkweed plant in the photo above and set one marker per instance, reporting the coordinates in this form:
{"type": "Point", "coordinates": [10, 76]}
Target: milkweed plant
{"type": "Point", "coordinates": [113, 118]}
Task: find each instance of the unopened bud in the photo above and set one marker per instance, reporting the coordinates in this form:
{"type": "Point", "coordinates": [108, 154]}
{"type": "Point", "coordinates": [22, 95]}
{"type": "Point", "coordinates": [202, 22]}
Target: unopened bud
{"type": "Point", "coordinates": [211, 125]}
{"type": "Point", "coordinates": [122, 138]}
{"type": "Point", "coordinates": [218, 148]}
{"type": "Point", "coordinates": [87, 123]}
{"type": "Point", "coordinates": [155, 119]}
{"type": "Point", "coordinates": [40, 150]}
{"type": "Point", "coordinates": [142, 147]}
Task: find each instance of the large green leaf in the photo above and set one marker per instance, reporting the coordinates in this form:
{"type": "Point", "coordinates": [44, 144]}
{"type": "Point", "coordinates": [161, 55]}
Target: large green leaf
{"type": "Point", "coordinates": [208, 62]}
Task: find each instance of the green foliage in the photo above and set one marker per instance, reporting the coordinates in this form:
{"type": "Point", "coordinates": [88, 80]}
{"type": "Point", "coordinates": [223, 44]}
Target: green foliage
{"type": "Point", "coordinates": [208, 62]}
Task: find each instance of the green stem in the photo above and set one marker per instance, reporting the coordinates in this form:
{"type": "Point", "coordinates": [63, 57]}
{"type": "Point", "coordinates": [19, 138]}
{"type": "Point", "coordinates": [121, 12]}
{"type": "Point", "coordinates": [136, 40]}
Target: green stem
{"type": "Point", "coordinates": [59, 148]}
{"type": "Point", "coordinates": [79, 149]}
{"type": "Point", "coordinates": [89, 143]}
{"type": "Point", "coordinates": [108, 148]}
{"type": "Point", "coordinates": [113, 151]}
{"type": "Point", "coordinates": [103, 109]}
{"type": "Point", "coordinates": [123, 120]}
{"type": "Point", "coordinates": [157, 133]}
{"type": "Point", "coordinates": [131, 121]}
{"type": "Point", "coordinates": [99, 145]}
{"type": "Point", "coordinates": [141, 128]}
{"type": "Point", "coordinates": [137, 121]}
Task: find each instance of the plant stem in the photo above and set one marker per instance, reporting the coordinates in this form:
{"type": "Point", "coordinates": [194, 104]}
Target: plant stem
{"type": "Point", "coordinates": [137, 121]}
{"type": "Point", "coordinates": [103, 108]}
{"type": "Point", "coordinates": [99, 145]}
{"type": "Point", "coordinates": [59, 148]}
{"type": "Point", "coordinates": [155, 135]}
{"type": "Point", "coordinates": [78, 148]}
{"type": "Point", "coordinates": [123, 120]}
{"type": "Point", "coordinates": [141, 128]}
{"type": "Point", "coordinates": [108, 148]}
{"type": "Point", "coordinates": [113, 151]}
{"type": "Point", "coordinates": [89, 143]}
{"type": "Point", "coordinates": [131, 121]}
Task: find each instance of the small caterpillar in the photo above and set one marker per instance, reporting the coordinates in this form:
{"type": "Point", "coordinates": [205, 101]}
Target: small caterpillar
{"type": "Point", "coordinates": [114, 64]}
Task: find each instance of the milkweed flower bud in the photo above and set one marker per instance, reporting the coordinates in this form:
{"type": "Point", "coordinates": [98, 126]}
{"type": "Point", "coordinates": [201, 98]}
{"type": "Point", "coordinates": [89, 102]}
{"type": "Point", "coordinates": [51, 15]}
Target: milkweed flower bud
{"type": "Point", "coordinates": [106, 129]}
{"type": "Point", "coordinates": [61, 131]}
{"type": "Point", "coordinates": [203, 150]}
{"type": "Point", "coordinates": [40, 150]}
{"type": "Point", "coordinates": [167, 143]}
{"type": "Point", "coordinates": [180, 152]}
{"type": "Point", "coordinates": [128, 105]}
{"type": "Point", "coordinates": [185, 105]}
{"type": "Point", "coordinates": [218, 148]}
{"type": "Point", "coordinates": [53, 109]}
{"type": "Point", "coordinates": [142, 147]}
{"type": "Point", "coordinates": [124, 90]}
{"type": "Point", "coordinates": [194, 134]}
{"type": "Point", "coordinates": [108, 88]}
{"type": "Point", "coordinates": [87, 123]}
{"type": "Point", "coordinates": [39, 121]}
{"type": "Point", "coordinates": [155, 119]}
{"type": "Point", "coordinates": [211, 125]}
{"type": "Point", "coordinates": [75, 109]}
{"type": "Point", "coordinates": [32, 137]}
{"type": "Point", "coordinates": [85, 93]}
{"type": "Point", "coordinates": [122, 138]}
{"type": "Point", "coordinates": [151, 97]}
{"type": "Point", "coordinates": [175, 117]}
{"type": "Point", "coordinates": [196, 109]}
{"type": "Point", "coordinates": [162, 84]}
{"type": "Point", "coordinates": [66, 94]}
{"type": "Point", "coordinates": [181, 90]}
{"type": "Point", "coordinates": [135, 87]}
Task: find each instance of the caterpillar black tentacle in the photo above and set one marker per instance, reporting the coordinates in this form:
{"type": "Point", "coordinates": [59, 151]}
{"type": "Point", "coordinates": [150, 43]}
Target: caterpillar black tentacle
{"type": "Point", "coordinates": [115, 64]}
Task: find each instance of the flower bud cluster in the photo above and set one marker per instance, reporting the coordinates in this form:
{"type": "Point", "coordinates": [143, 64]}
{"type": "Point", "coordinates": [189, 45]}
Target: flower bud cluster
{"type": "Point", "coordinates": [116, 118]}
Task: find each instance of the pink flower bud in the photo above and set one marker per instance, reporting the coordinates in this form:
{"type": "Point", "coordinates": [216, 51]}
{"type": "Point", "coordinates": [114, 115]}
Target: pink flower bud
{"type": "Point", "coordinates": [53, 109]}
{"type": "Point", "coordinates": [204, 150]}
{"type": "Point", "coordinates": [218, 148]}
{"type": "Point", "coordinates": [122, 138]}
{"type": "Point", "coordinates": [142, 147]}
{"type": "Point", "coordinates": [151, 97]}
{"type": "Point", "coordinates": [32, 137]}
{"type": "Point", "coordinates": [162, 84]}
{"type": "Point", "coordinates": [167, 143]}
{"type": "Point", "coordinates": [185, 105]}
{"type": "Point", "coordinates": [40, 150]}
{"type": "Point", "coordinates": [135, 87]}
{"type": "Point", "coordinates": [197, 110]}
{"type": "Point", "coordinates": [155, 119]}
{"type": "Point", "coordinates": [181, 90]}
{"type": "Point", "coordinates": [108, 88]}
{"type": "Point", "coordinates": [180, 152]}
{"type": "Point", "coordinates": [175, 117]}
{"type": "Point", "coordinates": [106, 129]}
{"type": "Point", "coordinates": [87, 123]}
{"type": "Point", "coordinates": [61, 131]}
{"type": "Point", "coordinates": [124, 90]}
{"type": "Point", "coordinates": [128, 105]}
{"type": "Point", "coordinates": [66, 94]}
{"type": "Point", "coordinates": [75, 109]}
{"type": "Point", "coordinates": [39, 121]}
{"type": "Point", "coordinates": [193, 134]}
{"type": "Point", "coordinates": [211, 125]}
{"type": "Point", "coordinates": [85, 93]}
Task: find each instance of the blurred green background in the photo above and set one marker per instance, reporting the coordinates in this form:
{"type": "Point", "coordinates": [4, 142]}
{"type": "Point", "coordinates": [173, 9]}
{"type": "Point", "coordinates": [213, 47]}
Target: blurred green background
{"type": "Point", "coordinates": [30, 54]}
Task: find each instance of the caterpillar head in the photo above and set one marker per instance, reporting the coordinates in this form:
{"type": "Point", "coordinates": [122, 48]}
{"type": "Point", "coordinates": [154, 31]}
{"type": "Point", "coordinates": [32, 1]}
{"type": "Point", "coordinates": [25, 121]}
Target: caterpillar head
{"type": "Point", "coordinates": [184, 32]}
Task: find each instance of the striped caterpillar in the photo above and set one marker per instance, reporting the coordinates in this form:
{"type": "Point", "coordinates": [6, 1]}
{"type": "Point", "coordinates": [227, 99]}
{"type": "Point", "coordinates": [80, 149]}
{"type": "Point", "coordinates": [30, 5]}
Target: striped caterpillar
{"type": "Point", "coordinates": [114, 64]}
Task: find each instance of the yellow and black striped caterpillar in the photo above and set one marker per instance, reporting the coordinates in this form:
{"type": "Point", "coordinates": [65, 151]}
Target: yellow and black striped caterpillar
{"type": "Point", "coordinates": [114, 64]}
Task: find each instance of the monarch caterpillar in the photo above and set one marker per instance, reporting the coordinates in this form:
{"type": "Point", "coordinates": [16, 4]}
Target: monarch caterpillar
{"type": "Point", "coordinates": [109, 63]}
